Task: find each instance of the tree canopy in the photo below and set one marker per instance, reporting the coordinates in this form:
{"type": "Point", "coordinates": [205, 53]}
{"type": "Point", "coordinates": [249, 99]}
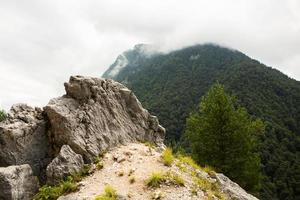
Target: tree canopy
{"type": "Point", "coordinates": [223, 135]}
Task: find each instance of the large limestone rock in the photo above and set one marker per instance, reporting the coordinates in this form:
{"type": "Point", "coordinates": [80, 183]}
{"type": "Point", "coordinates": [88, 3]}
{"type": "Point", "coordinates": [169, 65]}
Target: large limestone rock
{"type": "Point", "coordinates": [23, 138]}
{"type": "Point", "coordinates": [233, 190]}
{"type": "Point", "coordinates": [66, 163]}
{"type": "Point", "coordinates": [97, 114]}
{"type": "Point", "coordinates": [17, 183]}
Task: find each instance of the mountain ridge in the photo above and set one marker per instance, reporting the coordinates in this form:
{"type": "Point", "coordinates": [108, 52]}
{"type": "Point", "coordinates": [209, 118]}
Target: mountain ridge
{"type": "Point", "coordinates": [171, 86]}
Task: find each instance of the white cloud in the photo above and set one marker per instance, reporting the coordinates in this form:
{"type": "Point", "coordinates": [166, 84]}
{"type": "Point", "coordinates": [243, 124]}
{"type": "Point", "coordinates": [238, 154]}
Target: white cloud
{"type": "Point", "coordinates": [42, 43]}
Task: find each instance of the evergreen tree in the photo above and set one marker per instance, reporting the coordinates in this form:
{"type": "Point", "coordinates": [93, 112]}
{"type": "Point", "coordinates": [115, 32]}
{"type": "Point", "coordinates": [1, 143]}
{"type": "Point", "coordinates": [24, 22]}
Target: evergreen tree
{"type": "Point", "coordinates": [224, 136]}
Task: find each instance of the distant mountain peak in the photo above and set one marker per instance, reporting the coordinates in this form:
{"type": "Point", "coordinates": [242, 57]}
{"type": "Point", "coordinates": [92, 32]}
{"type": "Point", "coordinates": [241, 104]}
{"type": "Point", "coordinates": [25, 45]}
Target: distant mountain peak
{"type": "Point", "coordinates": [146, 49]}
{"type": "Point", "coordinates": [131, 57]}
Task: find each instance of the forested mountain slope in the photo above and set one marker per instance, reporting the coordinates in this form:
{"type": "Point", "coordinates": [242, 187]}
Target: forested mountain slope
{"type": "Point", "coordinates": [171, 85]}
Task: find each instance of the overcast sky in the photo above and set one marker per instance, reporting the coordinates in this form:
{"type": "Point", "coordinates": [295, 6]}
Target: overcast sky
{"type": "Point", "coordinates": [43, 42]}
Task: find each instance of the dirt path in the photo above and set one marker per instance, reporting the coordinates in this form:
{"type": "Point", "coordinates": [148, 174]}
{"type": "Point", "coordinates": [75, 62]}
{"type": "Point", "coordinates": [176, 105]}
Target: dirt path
{"type": "Point", "coordinates": [136, 161]}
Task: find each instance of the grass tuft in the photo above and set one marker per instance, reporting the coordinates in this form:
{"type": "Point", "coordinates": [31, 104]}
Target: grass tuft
{"type": "Point", "coordinates": [158, 178]}
{"type": "Point", "coordinates": [155, 179]}
{"type": "Point", "coordinates": [109, 194]}
{"type": "Point", "coordinates": [100, 165]}
{"type": "Point", "coordinates": [84, 171]}
{"type": "Point", "coordinates": [53, 192]}
{"type": "Point", "coordinates": [177, 180]}
{"type": "Point", "coordinates": [167, 157]}
{"type": "Point", "coordinates": [188, 161]}
{"type": "Point", "coordinates": [209, 187]}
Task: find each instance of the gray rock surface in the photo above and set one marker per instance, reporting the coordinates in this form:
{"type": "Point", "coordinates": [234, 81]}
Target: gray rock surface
{"type": "Point", "coordinates": [97, 114]}
{"type": "Point", "coordinates": [233, 190]}
{"type": "Point", "coordinates": [17, 183]}
{"type": "Point", "coordinates": [66, 163]}
{"type": "Point", "coordinates": [23, 138]}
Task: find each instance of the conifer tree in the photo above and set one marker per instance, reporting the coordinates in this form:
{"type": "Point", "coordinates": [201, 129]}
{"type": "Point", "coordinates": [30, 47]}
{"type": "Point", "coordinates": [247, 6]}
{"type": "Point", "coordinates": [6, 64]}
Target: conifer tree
{"type": "Point", "coordinates": [225, 136]}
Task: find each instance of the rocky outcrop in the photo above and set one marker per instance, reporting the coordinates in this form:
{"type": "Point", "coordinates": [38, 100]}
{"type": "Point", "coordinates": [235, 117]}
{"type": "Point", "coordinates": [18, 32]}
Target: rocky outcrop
{"type": "Point", "coordinates": [23, 138]}
{"type": "Point", "coordinates": [66, 163]}
{"type": "Point", "coordinates": [97, 114]}
{"type": "Point", "coordinates": [17, 183]}
{"type": "Point", "coordinates": [94, 115]}
{"type": "Point", "coordinates": [233, 190]}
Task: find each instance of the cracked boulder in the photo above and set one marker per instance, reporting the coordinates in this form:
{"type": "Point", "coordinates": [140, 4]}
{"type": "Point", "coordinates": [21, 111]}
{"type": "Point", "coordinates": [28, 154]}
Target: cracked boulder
{"type": "Point", "coordinates": [66, 163]}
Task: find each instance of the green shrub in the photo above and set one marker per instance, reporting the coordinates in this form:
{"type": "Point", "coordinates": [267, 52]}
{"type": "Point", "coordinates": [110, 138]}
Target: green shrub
{"type": "Point", "coordinates": [155, 179]}
{"type": "Point", "coordinates": [209, 187]}
{"type": "Point", "coordinates": [53, 192]}
{"type": "Point", "coordinates": [188, 161]}
{"type": "Point", "coordinates": [84, 171]}
{"type": "Point", "coordinates": [99, 165]}
{"type": "Point", "coordinates": [3, 115]}
{"type": "Point", "coordinates": [97, 159]}
{"type": "Point", "coordinates": [167, 157]}
{"type": "Point", "coordinates": [109, 194]}
{"type": "Point", "coordinates": [176, 179]}
{"type": "Point", "coordinates": [158, 178]}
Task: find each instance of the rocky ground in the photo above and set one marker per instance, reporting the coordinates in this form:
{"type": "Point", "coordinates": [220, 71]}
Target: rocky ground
{"type": "Point", "coordinates": [138, 161]}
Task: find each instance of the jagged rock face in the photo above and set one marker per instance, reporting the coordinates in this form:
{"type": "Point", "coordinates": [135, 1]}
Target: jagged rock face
{"type": "Point", "coordinates": [17, 182]}
{"type": "Point", "coordinates": [66, 163]}
{"type": "Point", "coordinates": [97, 114]}
{"type": "Point", "coordinates": [23, 138]}
{"type": "Point", "coordinates": [233, 190]}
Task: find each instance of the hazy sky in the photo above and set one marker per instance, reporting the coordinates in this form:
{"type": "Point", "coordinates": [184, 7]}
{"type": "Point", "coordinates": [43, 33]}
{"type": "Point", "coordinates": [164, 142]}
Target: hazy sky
{"type": "Point", "coordinates": [43, 42]}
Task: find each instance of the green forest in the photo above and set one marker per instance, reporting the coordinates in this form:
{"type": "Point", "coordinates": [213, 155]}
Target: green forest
{"type": "Point", "coordinates": [171, 86]}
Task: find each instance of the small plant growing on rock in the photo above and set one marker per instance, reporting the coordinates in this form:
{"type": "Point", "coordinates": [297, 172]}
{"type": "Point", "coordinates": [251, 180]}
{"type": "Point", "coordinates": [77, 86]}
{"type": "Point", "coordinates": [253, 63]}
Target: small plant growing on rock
{"type": "Point", "coordinates": [158, 178]}
{"type": "Point", "coordinates": [97, 159]}
{"type": "Point", "coordinates": [209, 187]}
{"type": "Point", "coordinates": [188, 161]}
{"type": "Point", "coordinates": [155, 179]}
{"type": "Point", "coordinates": [109, 194]}
{"type": "Point", "coordinates": [167, 157]}
{"type": "Point", "coordinates": [100, 165]}
{"type": "Point", "coordinates": [210, 170]}
{"type": "Point", "coordinates": [176, 179]}
{"type": "Point", "coordinates": [53, 192]}
{"type": "Point", "coordinates": [84, 171]}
